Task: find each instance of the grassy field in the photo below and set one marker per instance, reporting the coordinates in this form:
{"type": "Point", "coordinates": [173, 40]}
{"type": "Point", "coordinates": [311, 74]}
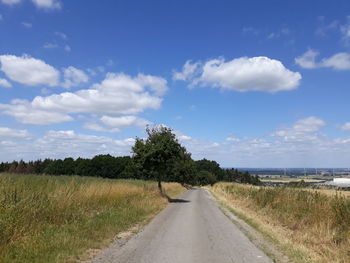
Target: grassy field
{"type": "Point", "coordinates": [307, 226]}
{"type": "Point", "coordinates": [56, 219]}
{"type": "Point", "coordinates": [289, 180]}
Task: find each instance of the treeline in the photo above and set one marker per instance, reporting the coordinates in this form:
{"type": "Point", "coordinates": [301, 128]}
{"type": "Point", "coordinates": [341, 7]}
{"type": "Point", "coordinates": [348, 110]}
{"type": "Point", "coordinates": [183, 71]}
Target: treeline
{"type": "Point", "coordinates": [200, 172]}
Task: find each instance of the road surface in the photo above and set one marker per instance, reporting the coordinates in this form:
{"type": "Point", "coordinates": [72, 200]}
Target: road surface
{"type": "Point", "coordinates": [190, 230]}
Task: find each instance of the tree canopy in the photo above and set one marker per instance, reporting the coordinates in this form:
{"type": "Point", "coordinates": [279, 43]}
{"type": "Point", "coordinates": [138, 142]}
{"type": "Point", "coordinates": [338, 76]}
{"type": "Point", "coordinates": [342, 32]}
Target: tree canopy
{"type": "Point", "coordinates": [161, 156]}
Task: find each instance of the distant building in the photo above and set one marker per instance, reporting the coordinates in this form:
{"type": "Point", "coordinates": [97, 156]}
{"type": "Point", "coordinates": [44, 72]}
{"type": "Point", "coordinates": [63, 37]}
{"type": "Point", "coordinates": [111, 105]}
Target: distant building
{"type": "Point", "coordinates": [340, 182]}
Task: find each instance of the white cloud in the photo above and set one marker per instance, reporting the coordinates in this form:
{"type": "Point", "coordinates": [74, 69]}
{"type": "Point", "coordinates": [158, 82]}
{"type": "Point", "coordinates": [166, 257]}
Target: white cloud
{"type": "Point", "coordinates": [28, 70]}
{"type": "Point", "coordinates": [157, 84]}
{"type": "Point", "coordinates": [99, 128]}
{"type": "Point", "coordinates": [61, 35]}
{"type": "Point", "coordinates": [188, 71]}
{"type": "Point", "coordinates": [300, 145]}
{"type": "Point", "coordinates": [302, 130]}
{"type": "Point", "coordinates": [27, 25]}
{"type": "Point", "coordinates": [47, 4]}
{"type": "Point", "coordinates": [5, 83]}
{"type": "Point", "coordinates": [65, 143]}
{"type": "Point", "coordinates": [24, 112]}
{"type": "Point", "coordinates": [8, 133]}
{"type": "Point", "coordinates": [117, 94]}
{"type": "Point", "coordinates": [10, 2]}
{"type": "Point", "coordinates": [73, 77]}
{"type": "Point", "coordinates": [339, 61]}
{"type": "Point", "coordinates": [308, 59]}
{"type": "Point", "coordinates": [124, 122]}
{"type": "Point", "coordinates": [232, 139]}
{"type": "Point", "coordinates": [346, 127]}
{"type": "Point", "coordinates": [50, 46]}
{"type": "Point", "coordinates": [323, 30]}
{"type": "Point", "coordinates": [247, 74]}
{"type": "Point", "coordinates": [345, 31]}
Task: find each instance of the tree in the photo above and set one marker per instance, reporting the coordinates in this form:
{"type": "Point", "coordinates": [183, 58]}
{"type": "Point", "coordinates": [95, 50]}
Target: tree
{"type": "Point", "coordinates": [158, 155]}
{"type": "Point", "coordinates": [212, 167]}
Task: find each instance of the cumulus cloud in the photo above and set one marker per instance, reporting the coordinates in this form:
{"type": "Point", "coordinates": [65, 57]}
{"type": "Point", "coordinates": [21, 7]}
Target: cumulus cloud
{"type": "Point", "coordinates": [116, 124]}
{"type": "Point", "coordinates": [117, 94]}
{"type": "Point", "coordinates": [300, 144]}
{"type": "Point", "coordinates": [5, 83]}
{"type": "Point", "coordinates": [93, 126]}
{"type": "Point", "coordinates": [247, 74]}
{"type": "Point", "coordinates": [8, 133]}
{"type": "Point", "coordinates": [24, 112]}
{"type": "Point", "coordinates": [74, 77]}
{"type": "Point", "coordinates": [339, 61]}
{"type": "Point", "coordinates": [64, 143]}
{"type": "Point", "coordinates": [310, 148]}
{"type": "Point", "coordinates": [308, 59]}
{"type": "Point", "coordinates": [346, 127]}
{"type": "Point", "coordinates": [124, 121]}
{"type": "Point", "coordinates": [302, 130]}
{"type": "Point", "coordinates": [188, 71]}
{"type": "Point", "coordinates": [157, 84]}
{"type": "Point", "coordinates": [47, 4]}
{"type": "Point", "coordinates": [29, 71]}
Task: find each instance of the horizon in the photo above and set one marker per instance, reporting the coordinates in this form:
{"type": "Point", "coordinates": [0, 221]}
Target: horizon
{"type": "Point", "coordinates": [245, 83]}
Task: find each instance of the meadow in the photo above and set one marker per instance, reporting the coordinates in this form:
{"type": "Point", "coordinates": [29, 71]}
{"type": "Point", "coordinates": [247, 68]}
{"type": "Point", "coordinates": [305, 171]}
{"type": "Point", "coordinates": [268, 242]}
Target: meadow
{"type": "Point", "coordinates": [308, 226]}
{"type": "Point", "coordinates": [58, 218]}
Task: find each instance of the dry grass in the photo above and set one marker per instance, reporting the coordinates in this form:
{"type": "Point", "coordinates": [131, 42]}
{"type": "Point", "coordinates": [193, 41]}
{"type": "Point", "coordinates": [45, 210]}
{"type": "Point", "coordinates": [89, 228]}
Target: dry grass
{"type": "Point", "coordinates": [308, 226]}
{"type": "Point", "coordinates": [290, 180]}
{"type": "Point", "coordinates": [51, 219]}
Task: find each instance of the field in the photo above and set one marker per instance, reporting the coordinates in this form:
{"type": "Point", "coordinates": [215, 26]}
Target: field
{"type": "Point", "coordinates": [56, 219]}
{"type": "Point", "coordinates": [308, 226]}
{"type": "Point", "coordinates": [290, 180]}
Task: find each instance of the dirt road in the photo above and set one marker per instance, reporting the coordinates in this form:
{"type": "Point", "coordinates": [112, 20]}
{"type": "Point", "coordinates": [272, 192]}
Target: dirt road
{"type": "Point", "coordinates": [191, 229]}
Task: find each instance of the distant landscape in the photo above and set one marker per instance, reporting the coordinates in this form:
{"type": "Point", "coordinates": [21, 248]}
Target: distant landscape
{"type": "Point", "coordinates": [182, 131]}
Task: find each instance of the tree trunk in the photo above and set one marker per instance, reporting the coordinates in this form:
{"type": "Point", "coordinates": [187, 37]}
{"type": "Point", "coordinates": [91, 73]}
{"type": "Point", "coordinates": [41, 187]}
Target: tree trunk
{"type": "Point", "coordinates": [160, 187]}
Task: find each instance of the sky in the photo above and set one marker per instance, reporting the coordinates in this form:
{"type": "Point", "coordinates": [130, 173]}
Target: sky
{"type": "Point", "coordinates": [245, 83]}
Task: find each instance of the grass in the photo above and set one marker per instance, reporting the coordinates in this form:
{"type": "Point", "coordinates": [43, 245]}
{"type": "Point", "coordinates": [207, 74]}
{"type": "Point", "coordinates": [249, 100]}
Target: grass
{"type": "Point", "coordinates": [289, 180]}
{"type": "Point", "coordinates": [308, 226]}
{"type": "Point", "coordinates": [55, 219]}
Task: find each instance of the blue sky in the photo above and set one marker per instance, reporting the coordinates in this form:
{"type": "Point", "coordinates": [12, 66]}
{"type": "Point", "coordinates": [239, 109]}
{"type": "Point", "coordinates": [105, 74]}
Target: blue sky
{"type": "Point", "coordinates": [245, 83]}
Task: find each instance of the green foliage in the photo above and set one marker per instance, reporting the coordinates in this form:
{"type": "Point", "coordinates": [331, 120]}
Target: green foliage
{"type": "Point", "coordinates": [161, 156]}
{"type": "Point", "coordinates": [205, 178]}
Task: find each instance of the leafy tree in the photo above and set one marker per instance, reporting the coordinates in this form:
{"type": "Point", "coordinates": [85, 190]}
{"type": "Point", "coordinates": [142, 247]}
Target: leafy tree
{"type": "Point", "coordinates": [212, 167]}
{"type": "Point", "coordinates": [159, 154]}
{"type": "Point", "coordinates": [204, 177]}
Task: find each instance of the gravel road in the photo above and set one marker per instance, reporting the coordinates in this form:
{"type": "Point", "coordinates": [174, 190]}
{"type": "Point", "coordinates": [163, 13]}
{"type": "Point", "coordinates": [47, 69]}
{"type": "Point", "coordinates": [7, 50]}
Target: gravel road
{"type": "Point", "coordinates": [191, 229]}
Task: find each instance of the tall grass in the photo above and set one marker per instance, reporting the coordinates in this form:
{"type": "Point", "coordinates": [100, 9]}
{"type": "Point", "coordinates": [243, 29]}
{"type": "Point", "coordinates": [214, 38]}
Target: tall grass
{"type": "Point", "coordinates": [318, 223]}
{"type": "Point", "coordinates": [51, 219]}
